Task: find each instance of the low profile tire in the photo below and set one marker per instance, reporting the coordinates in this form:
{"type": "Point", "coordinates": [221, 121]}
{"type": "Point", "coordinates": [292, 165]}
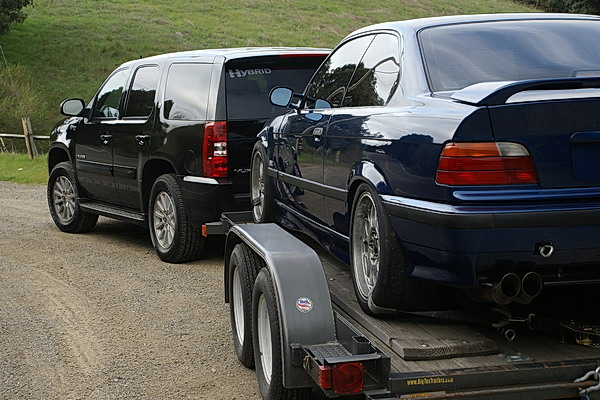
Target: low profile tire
{"type": "Point", "coordinates": [174, 238]}
{"type": "Point", "coordinates": [266, 337]}
{"type": "Point", "coordinates": [63, 201]}
{"type": "Point", "coordinates": [244, 265]}
{"type": "Point", "coordinates": [378, 263]}
{"type": "Point", "coordinates": [261, 189]}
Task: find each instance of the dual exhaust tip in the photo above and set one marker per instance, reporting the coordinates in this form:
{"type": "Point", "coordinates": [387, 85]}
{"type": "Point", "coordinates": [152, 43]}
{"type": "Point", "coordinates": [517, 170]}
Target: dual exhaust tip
{"type": "Point", "coordinates": [512, 288]}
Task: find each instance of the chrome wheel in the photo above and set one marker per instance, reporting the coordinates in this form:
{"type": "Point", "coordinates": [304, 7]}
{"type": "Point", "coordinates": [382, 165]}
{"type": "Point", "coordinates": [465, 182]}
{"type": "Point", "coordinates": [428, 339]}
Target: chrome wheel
{"type": "Point", "coordinates": [63, 198]}
{"type": "Point", "coordinates": [264, 339]}
{"type": "Point", "coordinates": [257, 189]}
{"type": "Point", "coordinates": [164, 220]}
{"type": "Point", "coordinates": [238, 306]}
{"type": "Point", "coordinates": [365, 245]}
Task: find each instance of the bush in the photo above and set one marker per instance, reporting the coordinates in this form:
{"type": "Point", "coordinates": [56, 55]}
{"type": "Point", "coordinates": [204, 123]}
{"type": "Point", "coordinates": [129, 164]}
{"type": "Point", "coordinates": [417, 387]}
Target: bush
{"type": "Point", "coordinates": [568, 6]}
{"type": "Point", "coordinates": [12, 11]}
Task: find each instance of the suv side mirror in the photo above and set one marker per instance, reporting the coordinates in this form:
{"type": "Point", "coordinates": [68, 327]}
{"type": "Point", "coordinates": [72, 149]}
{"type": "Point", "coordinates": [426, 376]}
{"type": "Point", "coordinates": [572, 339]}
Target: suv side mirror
{"type": "Point", "coordinates": [72, 107]}
{"type": "Point", "coordinates": [281, 96]}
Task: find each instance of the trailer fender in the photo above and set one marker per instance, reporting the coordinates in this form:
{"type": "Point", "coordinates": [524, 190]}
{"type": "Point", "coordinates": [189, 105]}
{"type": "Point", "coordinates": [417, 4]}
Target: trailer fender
{"type": "Point", "coordinates": [305, 312]}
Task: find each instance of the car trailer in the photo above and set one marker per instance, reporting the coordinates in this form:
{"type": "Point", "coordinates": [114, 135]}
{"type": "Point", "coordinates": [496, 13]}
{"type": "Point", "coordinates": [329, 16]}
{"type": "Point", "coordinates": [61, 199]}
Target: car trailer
{"type": "Point", "coordinates": [295, 319]}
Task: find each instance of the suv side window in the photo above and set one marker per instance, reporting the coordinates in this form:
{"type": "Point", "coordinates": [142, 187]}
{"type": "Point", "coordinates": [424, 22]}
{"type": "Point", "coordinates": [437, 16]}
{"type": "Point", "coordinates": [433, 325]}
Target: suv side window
{"type": "Point", "coordinates": [377, 75]}
{"type": "Point", "coordinates": [186, 92]}
{"type": "Point", "coordinates": [109, 97]}
{"type": "Point", "coordinates": [330, 81]}
{"type": "Point", "coordinates": [141, 94]}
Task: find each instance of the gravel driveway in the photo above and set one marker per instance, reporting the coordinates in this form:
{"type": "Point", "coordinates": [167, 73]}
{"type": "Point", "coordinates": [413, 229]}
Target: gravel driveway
{"type": "Point", "coordinates": [99, 316]}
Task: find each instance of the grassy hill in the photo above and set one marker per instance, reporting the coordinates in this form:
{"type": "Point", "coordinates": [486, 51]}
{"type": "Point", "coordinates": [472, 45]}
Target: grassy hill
{"type": "Point", "coordinates": [66, 48]}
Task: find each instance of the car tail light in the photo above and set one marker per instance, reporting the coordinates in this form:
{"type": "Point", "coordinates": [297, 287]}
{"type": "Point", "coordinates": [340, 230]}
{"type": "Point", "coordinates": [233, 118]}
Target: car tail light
{"type": "Point", "coordinates": [214, 150]}
{"type": "Point", "coordinates": [342, 378]}
{"type": "Point", "coordinates": [486, 163]}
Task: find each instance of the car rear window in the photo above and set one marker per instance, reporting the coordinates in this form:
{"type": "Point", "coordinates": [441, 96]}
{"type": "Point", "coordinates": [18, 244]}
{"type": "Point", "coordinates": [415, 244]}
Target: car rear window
{"type": "Point", "coordinates": [457, 56]}
{"type": "Point", "coordinates": [249, 81]}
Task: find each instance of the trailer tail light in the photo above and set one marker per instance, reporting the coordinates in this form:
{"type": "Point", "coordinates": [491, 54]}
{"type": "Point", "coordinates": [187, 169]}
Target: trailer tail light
{"type": "Point", "coordinates": [214, 150]}
{"type": "Point", "coordinates": [342, 378]}
{"type": "Point", "coordinates": [485, 163]}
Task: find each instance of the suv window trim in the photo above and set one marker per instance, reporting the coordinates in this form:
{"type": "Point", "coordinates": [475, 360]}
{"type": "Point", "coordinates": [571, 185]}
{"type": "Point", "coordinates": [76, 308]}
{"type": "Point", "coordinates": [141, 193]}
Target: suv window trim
{"type": "Point", "coordinates": [127, 90]}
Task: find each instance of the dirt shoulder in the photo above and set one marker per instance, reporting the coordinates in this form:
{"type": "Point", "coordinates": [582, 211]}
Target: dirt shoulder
{"type": "Point", "coordinates": [99, 316]}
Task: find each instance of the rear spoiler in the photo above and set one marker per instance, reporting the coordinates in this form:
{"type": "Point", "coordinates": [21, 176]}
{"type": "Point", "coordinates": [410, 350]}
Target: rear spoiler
{"type": "Point", "coordinates": [497, 93]}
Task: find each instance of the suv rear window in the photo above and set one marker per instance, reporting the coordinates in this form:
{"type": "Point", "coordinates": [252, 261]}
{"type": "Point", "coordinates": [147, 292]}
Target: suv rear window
{"type": "Point", "coordinates": [186, 92]}
{"type": "Point", "coordinates": [249, 81]}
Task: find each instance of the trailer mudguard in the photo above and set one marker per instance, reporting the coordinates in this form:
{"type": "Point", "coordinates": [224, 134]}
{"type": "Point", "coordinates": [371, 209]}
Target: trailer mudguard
{"type": "Point", "coordinates": [305, 313]}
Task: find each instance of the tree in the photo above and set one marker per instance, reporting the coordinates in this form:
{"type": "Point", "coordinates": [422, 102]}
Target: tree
{"type": "Point", "coordinates": [12, 11]}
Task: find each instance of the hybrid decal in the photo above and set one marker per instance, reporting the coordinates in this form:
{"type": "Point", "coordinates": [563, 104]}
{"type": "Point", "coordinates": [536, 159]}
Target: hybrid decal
{"type": "Point", "coordinates": [240, 73]}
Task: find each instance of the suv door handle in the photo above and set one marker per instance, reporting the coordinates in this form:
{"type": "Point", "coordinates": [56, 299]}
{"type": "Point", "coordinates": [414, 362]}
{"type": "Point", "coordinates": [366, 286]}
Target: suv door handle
{"type": "Point", "coordinates": [105, 138]}
{"type": "Point", "coordinates": [317, 133]}
{"type": "Point", "coordinates": [142, 138]}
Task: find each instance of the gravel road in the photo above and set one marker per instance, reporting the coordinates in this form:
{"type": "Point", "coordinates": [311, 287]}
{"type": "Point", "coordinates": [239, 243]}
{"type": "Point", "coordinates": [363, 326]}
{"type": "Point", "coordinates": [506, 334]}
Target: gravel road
{"type": "Point", "coordinates": [99, 316]}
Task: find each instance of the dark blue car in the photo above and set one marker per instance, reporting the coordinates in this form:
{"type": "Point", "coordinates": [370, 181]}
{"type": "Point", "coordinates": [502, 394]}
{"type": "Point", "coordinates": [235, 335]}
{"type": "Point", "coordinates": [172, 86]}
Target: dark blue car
{"type": "Point", "coordinates": [445, 152]}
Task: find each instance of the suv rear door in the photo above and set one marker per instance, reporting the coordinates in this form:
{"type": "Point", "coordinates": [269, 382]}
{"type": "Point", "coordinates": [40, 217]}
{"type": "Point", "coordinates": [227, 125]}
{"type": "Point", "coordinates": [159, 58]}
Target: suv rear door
{"type": "Point", "coordinates": [132, 135]}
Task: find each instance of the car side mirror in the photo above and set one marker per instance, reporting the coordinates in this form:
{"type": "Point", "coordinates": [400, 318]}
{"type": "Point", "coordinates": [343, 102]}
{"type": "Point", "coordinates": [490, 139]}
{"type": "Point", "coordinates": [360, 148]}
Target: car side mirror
{"type": "Point", "coordinates": [72, 107]}
{"type": "Point", "coordinates": [281, 96]}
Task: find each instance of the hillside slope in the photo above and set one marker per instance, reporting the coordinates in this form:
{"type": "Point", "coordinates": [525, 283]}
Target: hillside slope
{"type": "Point", "coordinates": [66, 48]}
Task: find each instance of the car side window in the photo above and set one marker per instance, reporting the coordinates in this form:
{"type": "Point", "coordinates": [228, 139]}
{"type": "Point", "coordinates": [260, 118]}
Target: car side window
{"type": "Point", "coordinates": [109, 97]}
{"type": "Point", "coordinates": [332, 78]}
{"type": "Point", "coordinates": [140, 101]}
{"type": "Point", "coordinates": [377, 75]}
{"type": "Point", "coordinates": [186, 92]}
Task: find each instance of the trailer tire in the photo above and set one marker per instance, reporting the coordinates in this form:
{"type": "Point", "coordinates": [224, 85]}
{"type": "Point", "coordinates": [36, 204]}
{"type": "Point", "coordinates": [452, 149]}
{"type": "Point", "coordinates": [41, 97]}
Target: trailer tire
{"type": "Point", "coordinates": [266, 336]}
{"type": "Point", "coordinates": [244, 265]}
{"type": "Point", "coordinates": [261, 188]}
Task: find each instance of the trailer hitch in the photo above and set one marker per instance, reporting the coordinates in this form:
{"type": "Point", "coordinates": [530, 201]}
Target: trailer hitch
{"type": "Point", "coordinates": [584, 393]}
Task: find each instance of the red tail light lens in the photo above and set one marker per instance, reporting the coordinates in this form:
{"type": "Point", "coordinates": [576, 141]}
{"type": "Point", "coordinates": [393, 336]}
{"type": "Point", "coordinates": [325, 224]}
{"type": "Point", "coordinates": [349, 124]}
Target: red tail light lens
{"type": "Point", "coordinates": [348, 378]}
{"type": "Point", "coordinates": [342, 378]}
{"type": "Point", "coordinates": [214, 150]}
{"type": "Point", "coordinates": [487, 163]}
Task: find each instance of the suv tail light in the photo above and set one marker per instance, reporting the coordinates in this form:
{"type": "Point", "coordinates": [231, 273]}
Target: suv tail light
{"type": "Point", "coordinates": [485, 163]}
{"type": "Point", "coordinates": [214, 150]}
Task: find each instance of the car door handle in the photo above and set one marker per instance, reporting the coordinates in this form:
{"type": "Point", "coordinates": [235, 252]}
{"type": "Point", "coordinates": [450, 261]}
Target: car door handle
{"type": "Point", "coordinates": [142, 138]}
{"type": "Point", "coordinates": [317, 133]}
{"type": "Point", "coordinates": [105, 138]}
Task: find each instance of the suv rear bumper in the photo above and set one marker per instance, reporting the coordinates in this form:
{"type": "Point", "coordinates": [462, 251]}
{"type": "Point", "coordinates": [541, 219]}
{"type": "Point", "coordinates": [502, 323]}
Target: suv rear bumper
{"type": "Point", "coordinates": [470, 245]}
{"type": "Point", "coordinates": [206, 198]}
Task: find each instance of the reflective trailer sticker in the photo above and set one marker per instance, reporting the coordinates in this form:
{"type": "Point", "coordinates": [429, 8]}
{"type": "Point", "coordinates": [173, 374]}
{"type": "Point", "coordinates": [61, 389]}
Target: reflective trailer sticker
{"type": "Point", "coordinates": [304, 304]}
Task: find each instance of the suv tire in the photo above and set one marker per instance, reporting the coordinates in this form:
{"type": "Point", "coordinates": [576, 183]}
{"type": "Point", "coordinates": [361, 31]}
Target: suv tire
{"type": "Point", "coordinates": [63, 201]}
{"type": "Point", "coordinates": [173, 236]}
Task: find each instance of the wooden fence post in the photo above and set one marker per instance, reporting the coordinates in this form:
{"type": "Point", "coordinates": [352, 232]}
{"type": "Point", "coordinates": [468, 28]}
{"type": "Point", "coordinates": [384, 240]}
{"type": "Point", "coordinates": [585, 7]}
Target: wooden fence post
{"type": "Point", "coordinates": [27, 132]}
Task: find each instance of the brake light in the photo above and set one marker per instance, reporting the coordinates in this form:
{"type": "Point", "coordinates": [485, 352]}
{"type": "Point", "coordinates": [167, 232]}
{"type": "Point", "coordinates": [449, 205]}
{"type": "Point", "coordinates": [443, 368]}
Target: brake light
{"type": "Point", "coordinates": [214, 150]}
{"type": "Point", "coordinates": [343, 378]}
{"type": "Point", "coordinates": [304, 55]}
{"type": "Point", "coordinates": [486, 163]}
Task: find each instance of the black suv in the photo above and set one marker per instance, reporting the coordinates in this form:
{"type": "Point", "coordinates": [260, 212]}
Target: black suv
{"type": "Point", "coordinates": [166, 142]}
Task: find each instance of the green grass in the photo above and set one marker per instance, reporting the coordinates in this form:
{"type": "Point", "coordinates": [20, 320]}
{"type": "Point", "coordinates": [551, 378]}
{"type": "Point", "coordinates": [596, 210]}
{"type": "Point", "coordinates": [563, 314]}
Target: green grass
{"type": "Point", "coordinates": [66, 48]}
{"type": "Point", "coordinates": [19, 168]}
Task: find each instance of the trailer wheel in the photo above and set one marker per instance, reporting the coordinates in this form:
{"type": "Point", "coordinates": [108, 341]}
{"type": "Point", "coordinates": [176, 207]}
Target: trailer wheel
{"type": "Point", "coordinates": [261, 190]}
{"type": "Point", "coordinates": [378, 262]}
{"type": "Point", "coordinates": [244, 265]}
{"type": "Point", "coordinates": [266, 336]}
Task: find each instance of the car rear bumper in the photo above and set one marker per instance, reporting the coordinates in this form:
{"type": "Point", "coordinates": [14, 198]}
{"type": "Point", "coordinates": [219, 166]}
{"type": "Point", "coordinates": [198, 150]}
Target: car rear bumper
{"type": "Point", "coordinates": [205, 198]}
{"type": "Point", "coordinates": [470, 245]}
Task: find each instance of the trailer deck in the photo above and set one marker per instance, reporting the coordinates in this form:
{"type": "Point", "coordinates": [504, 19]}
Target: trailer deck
{"type": "Point", "coordinates": [432, 358]}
